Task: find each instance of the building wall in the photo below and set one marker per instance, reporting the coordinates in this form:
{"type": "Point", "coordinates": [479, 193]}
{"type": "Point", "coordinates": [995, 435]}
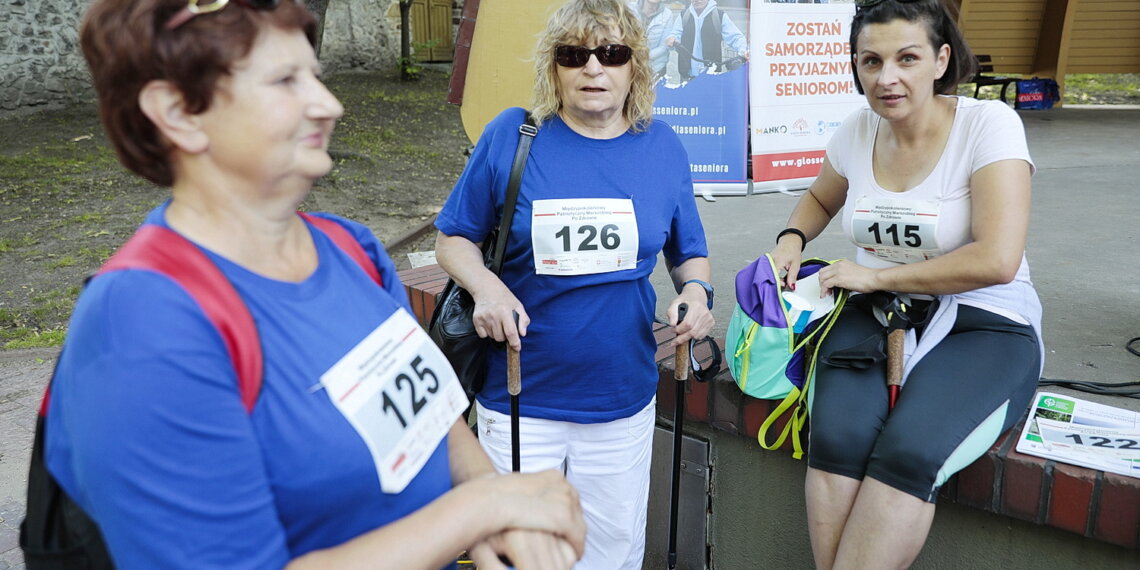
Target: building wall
{"type": "Point", "coordinates": [1105, 37]}
{"type": "Point", "coordinates": [41, 64]}
{"type": "Point", "coordinates": [758, 520]}
{"type": "Point", "coordinates": [1007, 31]}
{"type": "Point", "coordinates": [361, 34]}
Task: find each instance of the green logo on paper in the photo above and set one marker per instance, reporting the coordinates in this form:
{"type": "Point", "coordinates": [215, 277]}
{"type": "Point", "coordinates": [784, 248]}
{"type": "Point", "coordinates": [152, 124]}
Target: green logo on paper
{"type": "Point", "coordinates": [1056, 404]}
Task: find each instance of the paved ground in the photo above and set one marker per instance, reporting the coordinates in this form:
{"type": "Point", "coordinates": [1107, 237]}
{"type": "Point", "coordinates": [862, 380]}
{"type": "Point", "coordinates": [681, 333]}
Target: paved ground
{"type": "Point", "coordinates": [23, 374]}
{"type": "Point", "coordinates": [1081, 252]}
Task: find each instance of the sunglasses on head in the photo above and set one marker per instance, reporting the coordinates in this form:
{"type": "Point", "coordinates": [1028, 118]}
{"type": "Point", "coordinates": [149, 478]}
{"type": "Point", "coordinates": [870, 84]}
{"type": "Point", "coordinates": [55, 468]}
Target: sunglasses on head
{"type": "Point", "coordinates": [610, 55]}
{"type": "Point", "coordinates": [195, 7]}
{"type": "Point", "coordinates": [869, 3]}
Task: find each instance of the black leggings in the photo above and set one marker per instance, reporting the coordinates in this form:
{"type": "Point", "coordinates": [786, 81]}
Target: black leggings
{"type": "Point", "coordinates": [956, 402]}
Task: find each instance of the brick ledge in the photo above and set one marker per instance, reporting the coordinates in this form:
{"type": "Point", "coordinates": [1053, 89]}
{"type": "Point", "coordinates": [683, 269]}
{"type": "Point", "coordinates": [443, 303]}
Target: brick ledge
{"type": "Point", "coordinates": [1095, 504]}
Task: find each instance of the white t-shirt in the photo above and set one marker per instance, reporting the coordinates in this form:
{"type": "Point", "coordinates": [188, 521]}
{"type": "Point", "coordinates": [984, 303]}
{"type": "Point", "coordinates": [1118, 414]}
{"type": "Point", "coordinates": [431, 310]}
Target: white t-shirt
{"type": "Point", "coordinates": [933, 217]}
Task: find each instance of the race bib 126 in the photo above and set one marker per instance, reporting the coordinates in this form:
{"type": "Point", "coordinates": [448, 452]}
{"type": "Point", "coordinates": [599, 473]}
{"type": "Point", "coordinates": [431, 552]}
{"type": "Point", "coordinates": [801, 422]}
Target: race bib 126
{"type": "Point", "coordinates": [584, 236]}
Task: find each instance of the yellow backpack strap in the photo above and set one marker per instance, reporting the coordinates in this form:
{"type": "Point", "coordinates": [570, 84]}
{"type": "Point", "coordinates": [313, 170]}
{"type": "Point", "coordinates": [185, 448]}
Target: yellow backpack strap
{"type": "Point", "coordinates": [790, 400]}
{"type": "Point", "coordinates": [742, 352]}
{"type": "Point", "coordinates": [795, 400]}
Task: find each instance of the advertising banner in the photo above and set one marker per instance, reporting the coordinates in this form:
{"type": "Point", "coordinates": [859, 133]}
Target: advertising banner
{"type": "Point", "coordinates": [699, 51]}
{"type": "Point", "coordinates": [801, 89]}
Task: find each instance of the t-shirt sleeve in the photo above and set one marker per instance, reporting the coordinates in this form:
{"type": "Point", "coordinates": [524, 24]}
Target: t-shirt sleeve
{"type": "Point", "coordinates": [472, 209]}
{"type": "Point", "coordinates": [687, 233]}
{"type": "Point", "coordinates": [996, 134]}
{"type": "Point", "coordinates": [153, 441]}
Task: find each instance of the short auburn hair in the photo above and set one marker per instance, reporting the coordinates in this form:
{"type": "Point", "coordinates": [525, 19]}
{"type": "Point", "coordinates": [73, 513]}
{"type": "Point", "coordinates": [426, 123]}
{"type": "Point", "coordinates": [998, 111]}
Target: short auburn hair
{"type": "Point", "coordinates": [127, 46]}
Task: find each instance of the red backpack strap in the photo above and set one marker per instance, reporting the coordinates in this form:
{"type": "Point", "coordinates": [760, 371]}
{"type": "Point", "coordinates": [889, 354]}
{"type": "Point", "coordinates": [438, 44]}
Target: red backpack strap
{"type": "Point", "coordinates": [345, 242]}
{"type": "Point", "coordinates": [166, 252]}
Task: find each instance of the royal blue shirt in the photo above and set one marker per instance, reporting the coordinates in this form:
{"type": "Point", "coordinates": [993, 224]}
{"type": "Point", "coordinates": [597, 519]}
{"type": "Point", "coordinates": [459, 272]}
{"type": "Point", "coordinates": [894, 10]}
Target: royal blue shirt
{"type": "Point", "coordinates": [147, 433]}
{"type": "Point", "coordinates": [588, 353]}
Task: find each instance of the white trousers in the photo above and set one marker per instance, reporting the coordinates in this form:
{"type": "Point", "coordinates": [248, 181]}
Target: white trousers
{"type": "Point", "coordinates": [608, 463]}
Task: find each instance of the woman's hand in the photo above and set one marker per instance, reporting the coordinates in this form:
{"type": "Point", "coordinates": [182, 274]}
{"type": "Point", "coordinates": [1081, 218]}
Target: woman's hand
{"type": "Point", "coordinates": [698, 320]}
{"type": "Point", "coordinates": [542, 501]}
{"type": "Point", "coordinates": [526, 550]}
{"type": "Point", "coordinates": [786, 257]}
{"type": "Point", "coordinates": [495, 307]}
{"type": "Point", "coordinates": [848, 275]}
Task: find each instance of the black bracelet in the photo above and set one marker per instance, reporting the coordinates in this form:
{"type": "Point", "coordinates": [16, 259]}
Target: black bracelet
{"type": "Point", "coordinates": [786, 231]}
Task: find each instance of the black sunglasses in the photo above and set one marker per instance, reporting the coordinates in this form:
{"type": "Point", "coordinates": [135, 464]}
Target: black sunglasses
{"type": "Point", "coordinates": [195, 7]}
{"type": "Point", "coordinates": [610, 55]}
{"type": "Point", "coordinates": [869, 3]}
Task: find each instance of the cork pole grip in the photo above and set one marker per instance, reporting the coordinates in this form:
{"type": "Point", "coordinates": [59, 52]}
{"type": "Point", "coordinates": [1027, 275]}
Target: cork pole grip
{"type": "Point", "coordinates": [894, 365]}
{"type": "Point", "coordinates": [681, 360]}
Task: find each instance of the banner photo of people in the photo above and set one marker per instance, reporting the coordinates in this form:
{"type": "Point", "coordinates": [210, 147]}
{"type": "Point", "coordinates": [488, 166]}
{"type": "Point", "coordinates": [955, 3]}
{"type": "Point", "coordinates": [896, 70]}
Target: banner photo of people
{"type": "Point", "coordinates": [801, 88]}
{"type": "Point", "coordinates": [699, 52]}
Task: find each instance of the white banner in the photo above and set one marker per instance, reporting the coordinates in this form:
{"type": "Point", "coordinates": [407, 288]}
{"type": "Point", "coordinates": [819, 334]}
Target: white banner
{"type": "Point", "coordinates": [801, 89]}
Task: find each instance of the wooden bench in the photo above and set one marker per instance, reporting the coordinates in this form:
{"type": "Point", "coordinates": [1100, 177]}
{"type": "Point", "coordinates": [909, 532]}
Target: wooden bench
{"type": "Point", "coordinates": [985, 76]}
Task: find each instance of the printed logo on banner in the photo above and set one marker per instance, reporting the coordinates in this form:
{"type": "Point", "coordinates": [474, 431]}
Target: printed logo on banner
{"type": "Point", "coordinates": [800, 127]}
{"type": "Point", "coordinates": [824, 127]}
{"type": "Point", "coordinates": [771, 130]}
{"type": "Point", "coordinates": [788, 165]}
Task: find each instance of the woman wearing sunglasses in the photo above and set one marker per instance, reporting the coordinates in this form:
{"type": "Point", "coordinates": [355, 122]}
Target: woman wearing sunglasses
{"type": "Point", "coordinates": [934, 191]}
{"type": "Point", "coordinates": [605, 190]}
{"type": "Point", "coordinates": [146, 429]}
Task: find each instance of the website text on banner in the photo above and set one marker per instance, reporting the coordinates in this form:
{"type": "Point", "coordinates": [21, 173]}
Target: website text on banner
{"type": "Point", "coordinates": [699, 52]}
{"type": "Point", "coordinates": [801, 89]}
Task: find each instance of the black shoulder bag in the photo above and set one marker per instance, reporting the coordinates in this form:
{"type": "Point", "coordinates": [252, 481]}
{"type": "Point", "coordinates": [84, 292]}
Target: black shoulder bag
{"type": "Point", "coordinates": [452, 326]}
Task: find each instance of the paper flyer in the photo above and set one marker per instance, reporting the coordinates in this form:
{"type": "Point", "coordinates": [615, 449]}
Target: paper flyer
{"type": "Point", "coordinates": [1071, 430]}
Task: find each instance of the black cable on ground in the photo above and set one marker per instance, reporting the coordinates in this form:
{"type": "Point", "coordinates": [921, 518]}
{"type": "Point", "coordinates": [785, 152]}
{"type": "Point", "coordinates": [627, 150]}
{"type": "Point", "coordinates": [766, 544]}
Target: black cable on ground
{"type": "Point", "coordinates": [1123, 389]}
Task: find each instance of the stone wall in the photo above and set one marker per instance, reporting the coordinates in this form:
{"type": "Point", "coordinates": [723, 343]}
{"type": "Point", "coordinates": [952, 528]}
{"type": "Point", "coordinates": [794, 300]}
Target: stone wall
{"type": "Point", "coordinates": [361, 34]}
{"type": "Point", "coordinates": [41, 65]}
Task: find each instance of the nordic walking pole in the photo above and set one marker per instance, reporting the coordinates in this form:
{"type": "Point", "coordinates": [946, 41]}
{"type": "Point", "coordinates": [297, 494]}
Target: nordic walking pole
{"type": "Point", "coordinates": [680, 374]}
{"type": "Point", "coordinates": [514, 387]}
{"type": "Point", "coordinates": [895, 339]}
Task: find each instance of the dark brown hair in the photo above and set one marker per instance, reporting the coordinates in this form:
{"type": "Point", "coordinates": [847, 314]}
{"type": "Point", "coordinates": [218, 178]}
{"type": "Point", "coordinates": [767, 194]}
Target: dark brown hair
{"type": "Point", "coordinates": [127, 46]}
{"type": "Point", "coordinates": [940, 29]}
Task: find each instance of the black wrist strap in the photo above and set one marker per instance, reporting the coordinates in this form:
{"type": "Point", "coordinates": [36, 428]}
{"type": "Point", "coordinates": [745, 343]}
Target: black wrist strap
{"type": "Point", "coordinates": [786, 231]}
{"type": "Point", "coordinates": [527, 131]}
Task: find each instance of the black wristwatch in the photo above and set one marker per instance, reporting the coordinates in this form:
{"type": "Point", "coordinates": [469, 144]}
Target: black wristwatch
{"type": "Point", "coordinates": [708, 289]}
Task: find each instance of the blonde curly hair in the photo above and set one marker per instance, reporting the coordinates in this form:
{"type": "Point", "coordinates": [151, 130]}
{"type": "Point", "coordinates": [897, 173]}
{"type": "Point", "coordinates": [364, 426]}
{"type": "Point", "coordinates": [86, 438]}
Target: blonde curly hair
{"type": "Point", "coordinates": [575, 23]}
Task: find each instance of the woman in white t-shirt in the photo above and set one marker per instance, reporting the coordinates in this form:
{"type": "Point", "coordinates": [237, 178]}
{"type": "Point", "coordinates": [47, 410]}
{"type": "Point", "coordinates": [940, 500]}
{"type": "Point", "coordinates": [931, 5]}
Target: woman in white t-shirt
{"type": "Point", "coordinates": [934, 191]}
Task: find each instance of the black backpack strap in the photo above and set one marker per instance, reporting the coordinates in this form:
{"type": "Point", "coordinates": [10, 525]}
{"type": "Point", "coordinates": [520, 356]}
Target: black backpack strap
{"type": "Point", "coordinates": [527, 132]}
{"type": "Point", "coordinates": [56, 534]}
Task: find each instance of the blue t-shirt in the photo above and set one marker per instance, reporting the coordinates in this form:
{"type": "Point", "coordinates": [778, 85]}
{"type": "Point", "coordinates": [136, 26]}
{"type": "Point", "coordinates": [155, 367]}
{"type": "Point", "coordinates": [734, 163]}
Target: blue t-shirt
{"type": "Point", "coordinates": [588, 353]}
{"type": "Point", "coordinates": [147, 433]}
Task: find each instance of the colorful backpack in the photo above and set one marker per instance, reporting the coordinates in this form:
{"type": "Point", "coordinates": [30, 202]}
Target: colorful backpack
{"type": "Point", "coordinates": [56, 533]}
{"type": "Point", "coordinates": [768, 359]}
